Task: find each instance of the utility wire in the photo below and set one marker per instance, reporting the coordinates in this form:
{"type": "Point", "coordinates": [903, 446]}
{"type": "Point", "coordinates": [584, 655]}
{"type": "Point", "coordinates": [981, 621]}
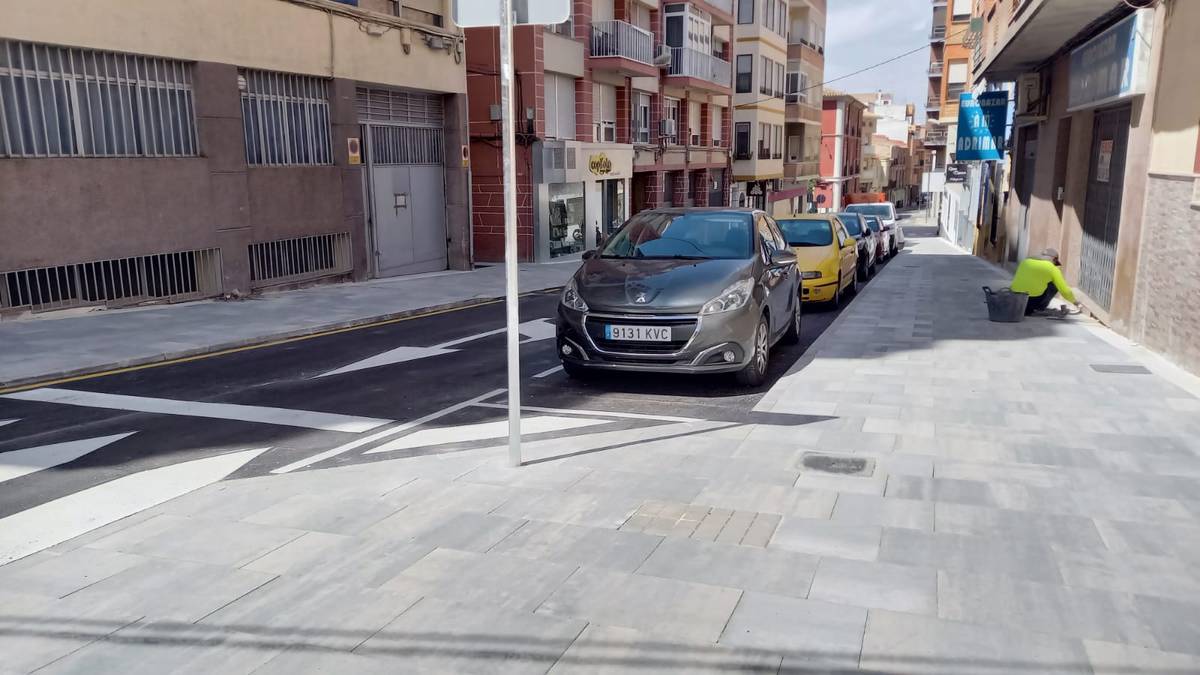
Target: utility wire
{"type": "Point", "coordinates": [861, 70]}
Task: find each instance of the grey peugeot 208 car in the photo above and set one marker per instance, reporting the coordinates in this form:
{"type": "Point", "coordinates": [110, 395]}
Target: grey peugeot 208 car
{"type": "Point", "coordinates": [688, 290]}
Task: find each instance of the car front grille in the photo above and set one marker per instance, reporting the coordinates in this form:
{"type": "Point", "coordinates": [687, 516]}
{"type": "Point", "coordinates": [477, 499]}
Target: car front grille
{"type": "Point", "coordinates": [682, 329]}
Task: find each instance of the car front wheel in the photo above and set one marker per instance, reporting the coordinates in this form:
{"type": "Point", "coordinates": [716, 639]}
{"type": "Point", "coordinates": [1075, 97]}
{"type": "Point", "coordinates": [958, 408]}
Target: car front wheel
{"type": "Point", "coordinates": [755, 372]}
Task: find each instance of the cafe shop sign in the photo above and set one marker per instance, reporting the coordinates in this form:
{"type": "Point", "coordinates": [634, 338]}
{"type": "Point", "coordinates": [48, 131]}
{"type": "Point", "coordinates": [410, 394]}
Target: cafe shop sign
{"type": "Point", "coordinates": [600, 165]}
{"type": "Point", "coordinates": [1113, 66]}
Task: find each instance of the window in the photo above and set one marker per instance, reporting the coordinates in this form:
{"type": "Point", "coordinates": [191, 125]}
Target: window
{"type": "Point", "coordinates": [741, 140]}
{"type": "Point", "coordinates": [770, 240]}
{"type": "Point", "coordinates": [694, 123]}
{"type": "Point", "coordinates": [566, 206]}
{"type": "Point", "coordinates": [764, 78]}
{"type": "Point", "coordinates": [671, 112]}
{"type": "Point", "coordinates": [604, 100]}
{"type": "Point", "coordinates": [641, 118]}
{"type": "Point", "coordinates": [775, 16]}
{"type": "Point", "coordinates": [745, 73]}
{"type": "Point", "coordinates": [764, 140]}
{"type": "Point", "coordinates": [639, 15]}
{"type": "Point", "coordinates": [560, 106]}
{"type": "Point", "coordinates": [285, 118]}
{"type": "Point", "coordinates": [60, 102]}
{"type": "Point", "coordinates": [745, 11]}
{"type": "Point", "coordinates": [777, 145]}
{"type": "Point", "coordinates": [421, 16]}
{"type": "Point", "coordinates": [779, 71]}
{"type": "Point", "coordinates": [718, 118]}
{"type": "Point", "coordinates": [962, 10]}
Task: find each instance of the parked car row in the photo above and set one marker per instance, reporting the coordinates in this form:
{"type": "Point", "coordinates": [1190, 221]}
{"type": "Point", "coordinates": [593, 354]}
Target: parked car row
{"type": "Point", "coordinates": [710, 290]}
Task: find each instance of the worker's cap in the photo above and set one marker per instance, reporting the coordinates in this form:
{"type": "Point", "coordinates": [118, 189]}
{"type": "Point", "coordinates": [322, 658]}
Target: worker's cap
{"type": "Point", "coordinates": [1049, 254]}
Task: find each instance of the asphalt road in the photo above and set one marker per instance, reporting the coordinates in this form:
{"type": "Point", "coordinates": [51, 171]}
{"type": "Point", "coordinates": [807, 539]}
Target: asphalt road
{"type": "Point", "coordinates": [329, 400]}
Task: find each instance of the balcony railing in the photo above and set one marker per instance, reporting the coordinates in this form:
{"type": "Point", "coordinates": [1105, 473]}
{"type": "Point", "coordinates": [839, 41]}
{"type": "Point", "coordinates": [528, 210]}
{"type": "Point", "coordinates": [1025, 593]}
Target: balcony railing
{"type": "Point", "coordinates": [933, 103]}
{"type": "Point", "coordinates": [799, 169]}
{"type": "Point", "coordinates": [617, 38]}
{"type": "Point", "coordinates": [935, 137]}
{"type": "Point", "coordinates": [938, 33]}
{"type": "Point", "coordinates": [689, 62]}
{"type": "Point", "coordinates": [936, 68]}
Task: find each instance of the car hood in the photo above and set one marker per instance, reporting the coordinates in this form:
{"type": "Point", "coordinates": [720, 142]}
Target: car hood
{"type": "Point", "coordinates": [634, 286]}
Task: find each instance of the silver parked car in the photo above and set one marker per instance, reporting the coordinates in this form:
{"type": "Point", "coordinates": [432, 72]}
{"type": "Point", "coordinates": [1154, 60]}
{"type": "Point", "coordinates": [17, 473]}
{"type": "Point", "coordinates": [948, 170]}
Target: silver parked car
{"type": "Point", "coordinates": [888, 218]}
{"type": "Point", "coordinates": [688, 290]}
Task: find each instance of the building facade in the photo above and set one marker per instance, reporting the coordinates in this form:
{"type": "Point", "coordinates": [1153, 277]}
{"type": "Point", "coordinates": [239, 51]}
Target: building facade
{"type": "Point", "coordinates": [841, 150]}
{"type": "Point", "coordinates": [190, 150]}
{"type": "Point", "coordinates": [1105, 157]}
{"type": "Point", "coordinates": [949, 74]}
{"type": "Point", "coordinates": [803, 104]}
{"type": "Point", "coordinates": [887, 137]}
{"type": "Point", "coordinates": [623, 108]}
{"type": "Point", "coordinates": [759, 66]}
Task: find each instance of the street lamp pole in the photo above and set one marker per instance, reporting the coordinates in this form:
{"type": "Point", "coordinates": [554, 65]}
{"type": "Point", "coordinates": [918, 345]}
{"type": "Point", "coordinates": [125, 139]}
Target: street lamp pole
{"type": "Point", "coordinates": [510, 233]}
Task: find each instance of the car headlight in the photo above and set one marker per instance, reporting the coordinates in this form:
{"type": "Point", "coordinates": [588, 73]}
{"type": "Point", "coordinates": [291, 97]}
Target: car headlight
{"type": "Point", "coordinates": [570, 297]}
{"type": "Point", "coordinates": [734, 297]}
{"type": "Point", "coordinates": [810, 275]}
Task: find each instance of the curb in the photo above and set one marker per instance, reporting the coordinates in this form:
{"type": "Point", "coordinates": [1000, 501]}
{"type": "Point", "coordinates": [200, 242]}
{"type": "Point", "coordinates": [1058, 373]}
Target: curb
{"type": "Point", "coordinates": [47, 379]}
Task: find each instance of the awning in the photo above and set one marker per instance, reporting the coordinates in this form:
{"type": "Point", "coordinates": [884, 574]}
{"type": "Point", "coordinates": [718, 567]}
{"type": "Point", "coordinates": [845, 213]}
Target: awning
{"type": "Point", "coordinates": [1041, 29]}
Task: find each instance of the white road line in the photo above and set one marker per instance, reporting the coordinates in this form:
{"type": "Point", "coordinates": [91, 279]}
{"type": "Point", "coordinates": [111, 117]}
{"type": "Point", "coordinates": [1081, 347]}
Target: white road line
{"type": "Point", "coordinates": [537, 329]}
{"type": "Point", "coordinates": [482, 431]}
{"type": "Point", "coordinates": [386, 433]}
{"type": "Point", "coordinates": [605, 413]}
{"type": "Point", "coordinates": [30, 460]}
{"type": "Point", "coordinates": [3, 422]}
{"type": "Point", "coordinates": [42, 526]}
{"type": "Point", "coordinates": [224, 411]}
{"type": "Point", "coordinates": [548, 372]}
{"type": "Point", "coordinates": [392, 356]}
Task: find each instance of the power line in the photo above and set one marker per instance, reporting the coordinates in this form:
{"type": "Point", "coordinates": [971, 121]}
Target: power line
{"type": "Point", "coordinates": [859, 71]}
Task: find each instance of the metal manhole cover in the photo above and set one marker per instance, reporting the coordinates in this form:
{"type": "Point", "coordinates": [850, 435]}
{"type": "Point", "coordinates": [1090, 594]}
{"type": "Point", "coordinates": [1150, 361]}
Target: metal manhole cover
{"type": "Point", "coordinates": [840, 464]}
{"type": "Point", "coordinates": [1120, 369]}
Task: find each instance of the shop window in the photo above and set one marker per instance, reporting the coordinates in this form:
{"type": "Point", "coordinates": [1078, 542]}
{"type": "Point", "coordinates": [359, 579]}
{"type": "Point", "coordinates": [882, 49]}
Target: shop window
{"type": "Point", "coordinates": [566, 219]}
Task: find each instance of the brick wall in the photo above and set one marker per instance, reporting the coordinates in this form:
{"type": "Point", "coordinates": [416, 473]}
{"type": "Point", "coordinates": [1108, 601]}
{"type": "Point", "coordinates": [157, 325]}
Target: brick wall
{"type": "Point", "coordinates": [705, 124]}
{"type": "Point", "coordinates": [679, 183]}
{"type": "Point", "coordinates": [624, 113]}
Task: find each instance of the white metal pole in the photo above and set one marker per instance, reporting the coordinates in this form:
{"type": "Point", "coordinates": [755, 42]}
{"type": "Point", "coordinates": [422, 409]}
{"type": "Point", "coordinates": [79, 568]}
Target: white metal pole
{"type": "Point", "coordinates": [510, 233]}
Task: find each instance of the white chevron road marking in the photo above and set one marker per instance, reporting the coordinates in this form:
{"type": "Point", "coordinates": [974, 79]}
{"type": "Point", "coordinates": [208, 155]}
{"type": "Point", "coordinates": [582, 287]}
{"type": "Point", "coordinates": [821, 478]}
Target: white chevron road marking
{"type": "Point", "coordinates": [482, 431]}
{"type": "Point", "coordinates": [30, 460]}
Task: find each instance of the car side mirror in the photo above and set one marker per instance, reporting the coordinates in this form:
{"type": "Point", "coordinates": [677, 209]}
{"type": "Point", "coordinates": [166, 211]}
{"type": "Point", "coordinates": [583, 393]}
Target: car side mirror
{"type": "Point", "coordinates": [783, 257]}
{"type": "Point", "coordinates": [588, 255]}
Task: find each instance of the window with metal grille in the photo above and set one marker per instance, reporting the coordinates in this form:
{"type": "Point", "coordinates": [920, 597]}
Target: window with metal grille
{"type": "Point", "coordinates": [285, 118]}
{"type": "Point", "coordinates": [67, 102]}
{"type": "Point", "coordinates": [408, 107]}
{"type": "Point", "coordinates": [406, 145]}
{"type": "Point", "coordinates": [299, 259]}
{"type": "Point", "coordinates": [185, 275]}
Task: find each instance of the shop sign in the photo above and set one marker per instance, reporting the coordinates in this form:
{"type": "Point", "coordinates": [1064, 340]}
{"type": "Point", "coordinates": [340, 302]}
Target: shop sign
{"type": "Point", "coordinates": [982, 125]}
{"type": "Point", "coordinates": [956, 172]}
{"type": "Point", "coordinates": [600, 164]}
{"type": "Point", "coordinates": [1104, 162]}
{"type": "Point", "coordinates": [354, 150]}
{"type": "Point", "coordinates": [1113, 65]}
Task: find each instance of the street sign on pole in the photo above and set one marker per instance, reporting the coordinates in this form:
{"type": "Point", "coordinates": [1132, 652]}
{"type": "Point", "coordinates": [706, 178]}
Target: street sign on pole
{"type": "Point", "coordinates": [503, 13]}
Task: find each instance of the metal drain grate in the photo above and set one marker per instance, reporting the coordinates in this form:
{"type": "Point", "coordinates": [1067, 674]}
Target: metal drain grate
{"type": "Point", "coordinates": [843, 465]}
{"type": "Point", "coordinates": [1119, 369]}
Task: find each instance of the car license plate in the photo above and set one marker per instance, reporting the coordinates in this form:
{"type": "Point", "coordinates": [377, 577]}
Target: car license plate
{"type": "Point", "coordinates": [638, 333]}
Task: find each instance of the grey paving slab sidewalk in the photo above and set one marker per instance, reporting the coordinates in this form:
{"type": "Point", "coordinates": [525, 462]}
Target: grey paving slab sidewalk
{"type": "Point", "coordinates": [88, 341]}
{"type": "Point", "coordinates": [1029, 513]}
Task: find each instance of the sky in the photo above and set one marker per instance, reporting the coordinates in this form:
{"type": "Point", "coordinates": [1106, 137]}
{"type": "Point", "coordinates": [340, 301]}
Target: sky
{"type": "Point", "coordinates": [859, 33]}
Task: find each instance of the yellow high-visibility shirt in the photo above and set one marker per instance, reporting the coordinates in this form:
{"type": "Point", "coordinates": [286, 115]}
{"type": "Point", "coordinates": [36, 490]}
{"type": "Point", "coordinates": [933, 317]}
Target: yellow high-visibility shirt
{"type": "Point", "coordinates": [1034, 275]}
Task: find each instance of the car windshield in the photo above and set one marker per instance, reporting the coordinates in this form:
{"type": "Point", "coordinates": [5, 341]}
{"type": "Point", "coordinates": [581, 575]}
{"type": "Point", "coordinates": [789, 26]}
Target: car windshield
{"type": "Point", "coordinates": [805, 232]}
{"type": "Point", "coordinates": [852, 222]}
{"type": "Point", "coordinates": [700, 235]}
{"type": "Point", "coordinates": [874, 223]}
{"type": "Point", "coordinates": [886, 211]}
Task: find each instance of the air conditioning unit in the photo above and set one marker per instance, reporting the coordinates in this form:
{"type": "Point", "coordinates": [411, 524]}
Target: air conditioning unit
{"type": "Point", "coordinates": [662, 56]}
{"type": "Point", "coordinates": [666, 127]}
{"type": "Point", "coordinates": [695, 139]}
{"type": "Point", "coordinates": [1029, 94]}
{"type": "Point", "coordinates": [608, 132]}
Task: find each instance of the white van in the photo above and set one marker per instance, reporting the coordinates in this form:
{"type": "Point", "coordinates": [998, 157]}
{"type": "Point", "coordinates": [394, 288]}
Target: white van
{"type": "Point", "coordinates": [886, 212]}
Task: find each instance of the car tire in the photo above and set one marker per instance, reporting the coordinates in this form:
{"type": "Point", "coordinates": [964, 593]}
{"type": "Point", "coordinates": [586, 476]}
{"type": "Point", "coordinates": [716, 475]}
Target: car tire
{"type": "Point", "coordinates": [861, 272]}
{"type": "Point", "coordinates": [575, 372]}
{"type": "Point", "coordinates": [792, 336]}
{"type": "Point", "coordinates": [755, 372]}
{"type": "Point", "coordinates": [837, 293]}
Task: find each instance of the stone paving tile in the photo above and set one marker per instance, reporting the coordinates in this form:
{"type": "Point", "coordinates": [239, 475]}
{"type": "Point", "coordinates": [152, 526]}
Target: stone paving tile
{"type": "Point", "coordinates": [1176, 625]}
{"type": "Point", "coordinates": [322, 514]}
{"type": "Point", "coordinates": [810, 634]}
{"type": "Point", "coordinates": [591, 509]}
{"type": "Point", "coordinates": [36, 630]}
{"type": "Point", "coordinates": [853, 509]}
{"type": "Point", "coordinates": [435, 636]}
{"type": "Point", "coordinates": [1064, 531]}
{"type": "Point", "coordinates": [503, 581]}
{"type": "Point", "coordinates": [769, 571]}
{"type": "Point", "coordinates": [574, 544]}
{"type": "Point", "coordinates": [1043, 608]}
{"type": "Point", "coordinates": [876, 585]}
{"type": "Point", "coordinates": [896, 642]}
{"type": "Point", "coordinates": [1109, 658]}
{"type": "Point", "coordinates": [784, 501]}
{"type": "Point", "coordinates": [665, 607]}
{"type": "Point", "coordinates": [300, 660]}
{"type": "Point", "coordinates": [449, 529]}
{"type": "Point", "coordinates": [1180, 540]}
{"type": "Point", "coordinates": [151, 648]}
{"type": "Point", "coordinates": [426, 494]}
{"type": "Point", "coordinates": [823, 537]}
{"type": "Point", "coordinates": [59, 574]}
{"type": "Point", "coordinates": [647, 486]}
{"type": "Point", "coordinates": [321, 558]}
{"type": "Point", "coordinates": [198, 540]}
{"type": "Point", "coordinates": [955, 552]}
{"type": "Point", "coordinates": [550, 476]}
{"type": "Point", "coordinates": [1129, 573]}
{"type": "Point", "coordinates": [608, 650]}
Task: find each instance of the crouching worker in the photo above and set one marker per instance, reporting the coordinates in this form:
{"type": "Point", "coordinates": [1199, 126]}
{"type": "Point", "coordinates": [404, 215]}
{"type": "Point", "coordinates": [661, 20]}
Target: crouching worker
{"type": "Point", "coordinates": [1041, 279]}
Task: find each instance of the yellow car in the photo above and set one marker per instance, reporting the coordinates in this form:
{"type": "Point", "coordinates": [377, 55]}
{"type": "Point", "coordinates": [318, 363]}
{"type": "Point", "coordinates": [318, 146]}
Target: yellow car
{"type": "Point", "coordinates": [826, 254]}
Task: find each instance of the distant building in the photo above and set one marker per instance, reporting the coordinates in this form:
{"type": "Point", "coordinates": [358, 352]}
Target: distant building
{"type": "Point", "coordinates": [841, 149]}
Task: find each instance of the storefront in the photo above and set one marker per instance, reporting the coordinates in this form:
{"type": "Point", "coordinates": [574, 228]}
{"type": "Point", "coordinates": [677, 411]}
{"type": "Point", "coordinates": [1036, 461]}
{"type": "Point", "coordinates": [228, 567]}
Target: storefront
{"type": "Point", "coordinates": [582, 195]}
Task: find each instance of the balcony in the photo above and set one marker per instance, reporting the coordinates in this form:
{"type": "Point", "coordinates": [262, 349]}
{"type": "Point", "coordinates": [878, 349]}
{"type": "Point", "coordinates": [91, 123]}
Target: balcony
{"type": "Point", "coordinates": [935, 137]}
{"type": "Point", "coordinates": [938, 34]}
{"type": "Point", "coordinates": [622, 47]}
{"type": "Point", "coordinates": [934, 103]}
{"type": "Point", "coordinates": [721, 11]}
{"type": "Point", "coordinates": [702, 71]}
{"type": "Point", "coordinates": [807, 169]}
{"type": "Point", "coordinates": [936, 68]}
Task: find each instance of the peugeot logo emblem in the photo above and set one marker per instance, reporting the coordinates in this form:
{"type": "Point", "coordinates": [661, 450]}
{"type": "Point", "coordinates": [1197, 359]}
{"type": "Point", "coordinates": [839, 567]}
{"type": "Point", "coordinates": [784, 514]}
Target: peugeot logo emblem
{"type": "Point", "coordinates": [640, 299]}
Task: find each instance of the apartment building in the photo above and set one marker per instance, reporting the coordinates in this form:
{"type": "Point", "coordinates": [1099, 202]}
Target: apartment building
{"type": "Point", "coordinates": [760, 66]}
{"type": "Point", "coordinates": [155, 151]}
{"type": "Point", "coordinates": [841, 150]}
{"type": "Point", "coordinates": [949, 74]}
{"type": "Point", "coordinates": [624, 107]}
{"type": "Point", "coordinates": [887, 139]}
{"type": "Point", "coordinates": [802, 111]}
{"type": "Point", "coordinates": [1105, 156]}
